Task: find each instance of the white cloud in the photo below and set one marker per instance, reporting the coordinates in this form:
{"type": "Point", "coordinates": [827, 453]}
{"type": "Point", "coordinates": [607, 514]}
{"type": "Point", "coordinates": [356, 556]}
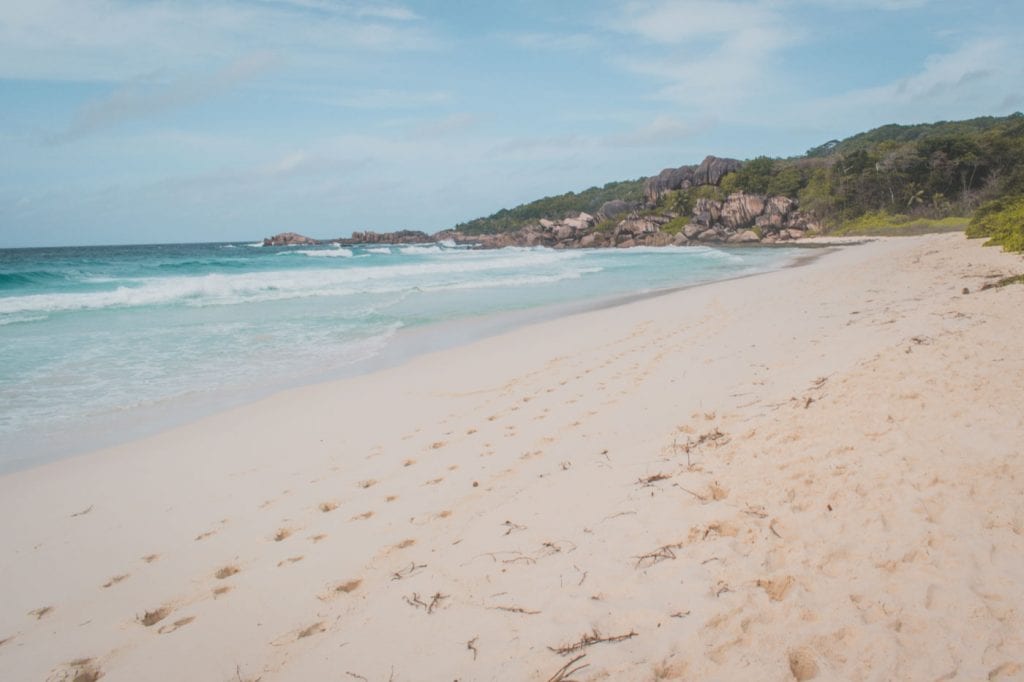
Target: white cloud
{"type": "Point", "coordinates": [708, 55]}
{"type": "Point", "coordinates": [443, 127]}
{"type": "Point", "coordinates": [148, 96]}
{"type": "Point", "coordinates": [677, 22]}
{"type": "Point", "coordinates": [662, 130]}
{"type": "Point", "coordinates": [115, 39]}
{"type": "Point", "coordinates": [891, 5]}
{"type": "Point", "coordinates": [391, 99]}
{"type": "Point", "coordinates": [553, 41]}
{"type": "Point", "coordinates": [978, 77]}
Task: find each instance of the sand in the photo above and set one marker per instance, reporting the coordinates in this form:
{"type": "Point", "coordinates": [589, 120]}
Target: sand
{"type": "Point", "coordinates": [816, 473]}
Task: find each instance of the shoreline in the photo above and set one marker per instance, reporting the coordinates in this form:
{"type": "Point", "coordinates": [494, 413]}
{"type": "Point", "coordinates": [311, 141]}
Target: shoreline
{"type": "Point", "coordinates": [110, 430]}
{"type": "Point", "coordinates": [811, 474]}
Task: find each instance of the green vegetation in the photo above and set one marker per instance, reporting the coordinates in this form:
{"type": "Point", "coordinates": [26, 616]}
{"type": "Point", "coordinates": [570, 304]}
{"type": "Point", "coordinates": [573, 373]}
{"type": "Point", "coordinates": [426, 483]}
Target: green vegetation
{"type": "Point", "coordinates": [908, 179]}
{"type": "Point", "coordinates": [908, 133]}
{"type": "Point", "coordinates": [561, 206]}
{"type": "Point", "coordinates": [1002, 221]}
{"type": "Point", "coordinates": [896, 179]}
{"type": "Point", "coordinates": [676, 225]}
{"type": "Point", "coordinates": [899, 224]}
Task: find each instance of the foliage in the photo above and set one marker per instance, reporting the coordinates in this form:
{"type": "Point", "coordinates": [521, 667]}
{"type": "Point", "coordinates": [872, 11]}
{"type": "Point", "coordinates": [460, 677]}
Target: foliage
{"type": "Point", "coordinates": [560, 206]}
{"type": "Point", "coordinates": [1002, 221]}
{"type": "Point", "coordinates": [897, 224]}
{"type": "Point", "coordinates": [755, 175]}
{"type": "Point", "coordinates": [676, 225]}
{"type": "Point", "coordinates": [892, 178]}
{"type": "Point", "coordinates": [912, 133]}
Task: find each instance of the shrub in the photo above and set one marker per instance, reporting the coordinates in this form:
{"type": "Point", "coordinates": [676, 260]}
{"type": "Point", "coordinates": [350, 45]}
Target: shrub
{"type": "Point", "coordinates": [1002, 221]}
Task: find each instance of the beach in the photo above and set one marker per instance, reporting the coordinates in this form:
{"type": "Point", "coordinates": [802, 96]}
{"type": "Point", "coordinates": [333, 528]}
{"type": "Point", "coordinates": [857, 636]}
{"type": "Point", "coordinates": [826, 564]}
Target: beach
{"type": "Point", "coordinates": [811, 473]}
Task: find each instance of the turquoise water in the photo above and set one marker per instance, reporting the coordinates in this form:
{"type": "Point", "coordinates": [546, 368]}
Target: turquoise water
{"type": "Point", "coordinates": [98, 341]}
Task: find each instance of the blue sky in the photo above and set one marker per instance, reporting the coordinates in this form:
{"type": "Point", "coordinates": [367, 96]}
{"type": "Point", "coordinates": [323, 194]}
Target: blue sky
{"type": "Point", "coordinates": [137, 122]}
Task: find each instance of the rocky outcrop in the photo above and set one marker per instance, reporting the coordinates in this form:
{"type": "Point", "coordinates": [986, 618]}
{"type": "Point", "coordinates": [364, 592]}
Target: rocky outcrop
{"type": "Point", "coordinates": [614, 208]}
{"type": "Point", "coordinates": [712, 169]}
{"type": "Point", "coordinates": [709, 172]}
{"type": "Point", "coordinates": [290, 239]}
{"type": "Point", "coordinates": [745, 218]}
{"type": "Point", "coordinates": [739, 219]}
{"type": "Point", "coordinates": [399, 237]}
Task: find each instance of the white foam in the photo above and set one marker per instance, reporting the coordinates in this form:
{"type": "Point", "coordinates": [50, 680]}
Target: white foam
{"type": "Point", "coordinates": [256, 245]}
{"type": "Point", "coordinates": [338, 252]}
{"type": "Point", "coordinates": [379, 249]}
{"type": "Point", "coordinates": [419, 250]}
{"type": "Point", "coordinates": [226, 289]}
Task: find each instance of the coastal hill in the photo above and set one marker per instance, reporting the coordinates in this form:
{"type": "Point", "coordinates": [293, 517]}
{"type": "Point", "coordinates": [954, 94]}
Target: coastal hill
{"type": "Point", "coordinates": [892, 179]}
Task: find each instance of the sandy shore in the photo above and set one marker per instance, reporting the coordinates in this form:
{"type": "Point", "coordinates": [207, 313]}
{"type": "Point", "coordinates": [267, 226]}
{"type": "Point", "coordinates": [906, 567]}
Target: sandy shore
{"type": "Point", "coordinates": [816, 473]}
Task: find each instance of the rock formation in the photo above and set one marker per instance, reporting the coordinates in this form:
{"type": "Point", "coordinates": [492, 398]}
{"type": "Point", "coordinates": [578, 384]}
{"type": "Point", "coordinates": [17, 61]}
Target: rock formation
{"type": "Point", "coordinates": [738, 219]}
{"type": "Point", "coordinates": [290, 239]}
{"type": "Point", "coordinates": [745, 218]}
{"type": "Point", "coordinates": [709, 172]}
{"type": "Point", "coordinates": [399, 237]}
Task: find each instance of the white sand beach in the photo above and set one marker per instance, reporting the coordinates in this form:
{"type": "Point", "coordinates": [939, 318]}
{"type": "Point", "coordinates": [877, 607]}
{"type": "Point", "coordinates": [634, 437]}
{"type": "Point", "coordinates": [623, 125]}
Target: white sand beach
{"type": "Point", "coordinates": [815, 473]}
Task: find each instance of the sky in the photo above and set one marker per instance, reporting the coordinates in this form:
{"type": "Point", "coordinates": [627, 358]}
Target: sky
{"type": "Point", "coordinates": [148, 121]}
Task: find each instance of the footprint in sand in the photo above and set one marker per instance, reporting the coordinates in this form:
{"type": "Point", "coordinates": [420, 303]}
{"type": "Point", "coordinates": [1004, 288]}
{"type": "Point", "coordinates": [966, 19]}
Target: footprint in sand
{"type": "Point", "coordinates": [222, 590]}
{"type": "Point", "coordinates": [362, 517]}
{"type": "Point", "coordinates": [289, 560]}
{"type": "Point", "coordinates": [326, 507]}
{"type": "Point", "coordinates": [346, 587]}
{"type": "Point", "coordinates": [282, 534]}
{"type": "Point", "coordinates": [802, 664]}
{"type": "Point", "coordinates": [115, 580]}
{"type": "Point", "coordinates": [40, 612]}
{"type": "Point", "coordinates": [79, 670]}
{"type": "Point", "coordinates": [203, 536]}
{"type": "Point", "coordinates": [171, 627]}
{"type": "Point", "coordinates": [150, 558]}
{"type": "Point", "coordinates": [226, 572]}
{"type": "Point", "coordinates": [151, 618]}
{"type": "Point", "coordinates": [776, 588]}
{"type": "Point", "coordinates": [313, 629]}
{"type": "Point", "coordinates": [369, 483]}
{"type": "Point", "coordinates": [317, 538]}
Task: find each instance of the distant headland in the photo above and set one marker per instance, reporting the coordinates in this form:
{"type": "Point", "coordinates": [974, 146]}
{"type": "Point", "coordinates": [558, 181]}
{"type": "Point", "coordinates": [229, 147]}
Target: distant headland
{"type": "Point", "coordinates": [896, 179]}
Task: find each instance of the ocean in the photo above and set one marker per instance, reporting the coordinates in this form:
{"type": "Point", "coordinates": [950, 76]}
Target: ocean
{"type": "Point", "coordinates": [105, 344]}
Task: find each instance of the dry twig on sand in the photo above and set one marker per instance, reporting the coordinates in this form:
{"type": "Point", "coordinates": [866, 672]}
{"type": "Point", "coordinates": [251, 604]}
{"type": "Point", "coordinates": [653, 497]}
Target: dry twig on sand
{"type": "Point", "coordinates": [663, 553]}
{"type": "Point", "coordinates": [417, 603]}
{"type": "Point", "coordinates": [563, 673]}
{"type": "Point", "coordinates": [651, 480]}
{"type": "Point", "coordinates": [590, 639]}
{"type": "Point", "coordinates": [407, 571]}
{"type": "Point", "coordinates": [514, 609]}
